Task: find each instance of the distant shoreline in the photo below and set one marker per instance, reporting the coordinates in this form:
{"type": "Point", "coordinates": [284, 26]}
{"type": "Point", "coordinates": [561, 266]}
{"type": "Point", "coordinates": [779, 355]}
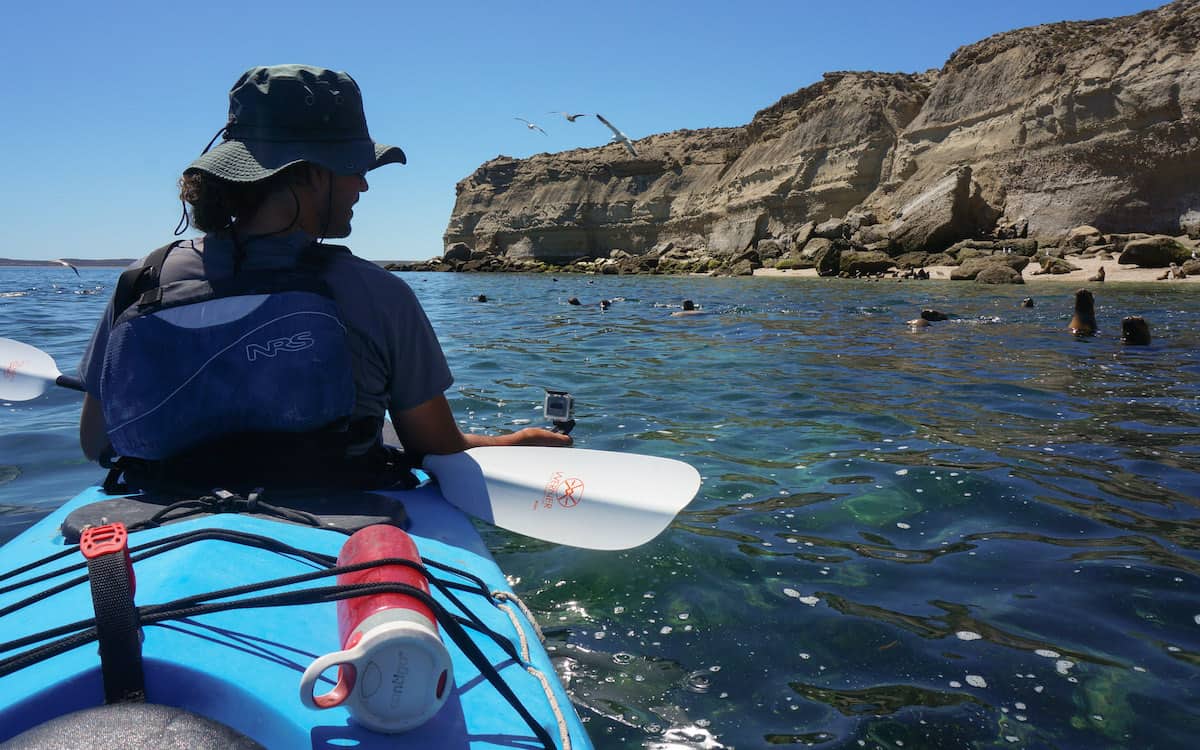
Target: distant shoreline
{"type": "Point", "coordinates": [80, 262]}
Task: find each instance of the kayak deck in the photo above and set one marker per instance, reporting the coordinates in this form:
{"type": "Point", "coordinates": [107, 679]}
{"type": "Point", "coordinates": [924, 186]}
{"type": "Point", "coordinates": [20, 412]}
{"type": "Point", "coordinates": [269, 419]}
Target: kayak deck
{"type": "Point", "coordinates": [242, 667]}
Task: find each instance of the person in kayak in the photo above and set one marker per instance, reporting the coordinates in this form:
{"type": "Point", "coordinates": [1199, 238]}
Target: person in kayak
{"type": "Point", "coordinates": [259, 342]}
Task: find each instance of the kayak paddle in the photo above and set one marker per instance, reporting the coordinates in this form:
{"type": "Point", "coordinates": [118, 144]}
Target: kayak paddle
{"type": "Point", "coordinates": [582, 498]}
{"type": "Point", "coordinates": [26, 372]}
{"type": "Point", "coordinates": [591, 499]}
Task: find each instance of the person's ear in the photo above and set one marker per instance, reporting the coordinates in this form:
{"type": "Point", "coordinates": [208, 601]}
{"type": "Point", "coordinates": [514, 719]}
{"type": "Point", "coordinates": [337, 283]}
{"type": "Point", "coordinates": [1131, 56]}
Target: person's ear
{"type": "Point", "coordinates": [310, 176]}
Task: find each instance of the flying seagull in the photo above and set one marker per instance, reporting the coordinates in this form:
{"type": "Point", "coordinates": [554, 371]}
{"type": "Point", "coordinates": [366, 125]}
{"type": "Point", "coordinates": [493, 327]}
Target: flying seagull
{"type": "Point", "coordinates": [570, 117]}
{"type": "Point", "coordinates": [68, 265]}
{"type": "Point", "coordinates": [530, 125]}
{"type": "Point", "coordinates": [617, 134]}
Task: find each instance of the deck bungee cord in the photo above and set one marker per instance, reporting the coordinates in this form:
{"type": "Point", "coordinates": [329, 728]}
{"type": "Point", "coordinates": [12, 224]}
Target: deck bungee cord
{"type": "Point", "coordinates": [74, 635]}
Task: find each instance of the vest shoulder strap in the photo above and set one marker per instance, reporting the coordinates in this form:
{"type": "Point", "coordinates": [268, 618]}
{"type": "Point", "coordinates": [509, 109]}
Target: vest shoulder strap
{"type": "Point", "coordinates": [135, 282]}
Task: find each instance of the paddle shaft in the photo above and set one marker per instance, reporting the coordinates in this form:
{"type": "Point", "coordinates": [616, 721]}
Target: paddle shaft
{"type": "Point", "coordinates": [67, 381]}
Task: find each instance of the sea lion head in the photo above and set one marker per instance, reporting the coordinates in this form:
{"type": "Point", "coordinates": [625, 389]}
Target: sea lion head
{"type": "Point", "coordinates": [1135, 331]}
{"type": "Point", "coordinates": [1083, 321]}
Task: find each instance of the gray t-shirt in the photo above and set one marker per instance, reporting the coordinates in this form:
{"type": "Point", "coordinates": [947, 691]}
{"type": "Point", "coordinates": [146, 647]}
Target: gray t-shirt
{"type": "Point", "coordinates": [398, 362]}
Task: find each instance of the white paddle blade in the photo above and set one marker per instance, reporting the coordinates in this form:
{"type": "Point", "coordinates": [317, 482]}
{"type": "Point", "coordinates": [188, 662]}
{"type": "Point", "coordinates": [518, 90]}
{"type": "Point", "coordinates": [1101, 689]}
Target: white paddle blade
{"type": "Point", "coordinates": [25, 371]}
{"type": "Point", "coordinates": [592, 499]}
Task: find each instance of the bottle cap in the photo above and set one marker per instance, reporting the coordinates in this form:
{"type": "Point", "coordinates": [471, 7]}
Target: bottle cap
{"type": "Point", "coordinates": [392, 679]}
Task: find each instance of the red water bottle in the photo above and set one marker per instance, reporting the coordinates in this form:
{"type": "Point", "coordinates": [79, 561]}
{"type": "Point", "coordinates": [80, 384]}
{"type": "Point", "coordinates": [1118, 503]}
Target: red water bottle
{"type": "Point", "coordinates": [394, 672]}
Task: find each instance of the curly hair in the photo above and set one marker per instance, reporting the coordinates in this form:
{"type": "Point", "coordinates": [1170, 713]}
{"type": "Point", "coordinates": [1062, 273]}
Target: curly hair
{"type": "Point", "coordinates": [217, 204]}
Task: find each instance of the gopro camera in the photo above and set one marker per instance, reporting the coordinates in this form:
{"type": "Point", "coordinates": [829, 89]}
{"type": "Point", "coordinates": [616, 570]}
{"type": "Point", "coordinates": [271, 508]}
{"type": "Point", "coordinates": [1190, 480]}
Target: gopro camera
{"type": "Point", "coordinates": [557, 408]}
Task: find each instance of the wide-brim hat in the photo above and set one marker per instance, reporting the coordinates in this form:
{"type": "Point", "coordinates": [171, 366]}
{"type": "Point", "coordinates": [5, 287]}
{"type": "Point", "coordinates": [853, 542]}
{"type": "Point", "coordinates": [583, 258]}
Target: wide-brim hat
{"type": "Point", "coordinates": [286, 114]}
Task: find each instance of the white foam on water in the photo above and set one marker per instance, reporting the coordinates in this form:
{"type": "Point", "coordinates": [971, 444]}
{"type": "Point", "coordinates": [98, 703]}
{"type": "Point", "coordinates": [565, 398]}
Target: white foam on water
{"type": "Point", "coordinates": [975, 680]}
{"type": "Point", "coordinates": [1047, 653]}
{"type": "Point", "coordinates": [967, 635]}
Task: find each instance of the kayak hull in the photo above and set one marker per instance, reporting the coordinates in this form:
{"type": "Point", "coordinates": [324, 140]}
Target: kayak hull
{"type": "Point", "coordinates": [242, 667]}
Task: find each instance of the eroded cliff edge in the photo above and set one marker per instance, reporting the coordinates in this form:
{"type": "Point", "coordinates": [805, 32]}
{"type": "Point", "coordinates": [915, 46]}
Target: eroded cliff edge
{"type": "Point", "coordinates": [1028, 133]}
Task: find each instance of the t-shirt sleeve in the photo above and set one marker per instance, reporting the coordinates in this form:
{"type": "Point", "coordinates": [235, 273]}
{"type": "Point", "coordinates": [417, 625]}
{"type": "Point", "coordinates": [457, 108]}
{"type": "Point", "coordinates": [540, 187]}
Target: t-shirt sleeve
{"type": "Point", "coordinates": [418, 366]}
{"type": "Point", "coordinates": [92, 363]}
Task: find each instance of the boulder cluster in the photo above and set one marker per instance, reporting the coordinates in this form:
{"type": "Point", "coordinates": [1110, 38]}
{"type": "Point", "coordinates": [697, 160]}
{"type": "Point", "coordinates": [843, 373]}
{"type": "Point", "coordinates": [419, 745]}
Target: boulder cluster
{"type": "Point", "coordinates": [836, 248]}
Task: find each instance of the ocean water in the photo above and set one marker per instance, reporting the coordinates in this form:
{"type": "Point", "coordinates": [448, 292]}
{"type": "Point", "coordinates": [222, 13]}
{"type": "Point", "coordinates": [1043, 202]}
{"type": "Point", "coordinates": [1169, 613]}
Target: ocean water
{"type": "Point", "coordinates": [983, 535]}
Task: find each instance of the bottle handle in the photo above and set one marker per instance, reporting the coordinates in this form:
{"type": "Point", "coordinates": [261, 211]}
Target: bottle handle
{"type": "Point", "coordinates": [347, 673]}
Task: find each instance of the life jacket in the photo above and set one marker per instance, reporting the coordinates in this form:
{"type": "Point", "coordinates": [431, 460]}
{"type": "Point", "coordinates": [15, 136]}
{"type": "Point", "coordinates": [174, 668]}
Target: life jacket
{"type": "Point", "coordinates": [243, 378]}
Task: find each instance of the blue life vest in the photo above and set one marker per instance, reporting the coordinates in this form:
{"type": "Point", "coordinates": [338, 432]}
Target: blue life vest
{"type": "Point", "coordinates": [196, 362]}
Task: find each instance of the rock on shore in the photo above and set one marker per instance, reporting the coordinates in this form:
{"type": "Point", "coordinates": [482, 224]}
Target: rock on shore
{"type": "Point", "coordinates": [1014, 143]}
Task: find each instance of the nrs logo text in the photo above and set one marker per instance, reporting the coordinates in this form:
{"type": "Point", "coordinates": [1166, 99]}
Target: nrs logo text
{"type": "Point", "coordinates": [294, 343]}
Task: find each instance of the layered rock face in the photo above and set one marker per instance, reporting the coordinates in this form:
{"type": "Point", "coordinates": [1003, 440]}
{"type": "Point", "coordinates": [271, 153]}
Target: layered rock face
{"type": "Point", "coordinates": [1029, 133]}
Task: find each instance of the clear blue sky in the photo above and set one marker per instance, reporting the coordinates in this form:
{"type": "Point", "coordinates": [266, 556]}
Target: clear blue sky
{"type": "Point", "coordinates": [106, 102]}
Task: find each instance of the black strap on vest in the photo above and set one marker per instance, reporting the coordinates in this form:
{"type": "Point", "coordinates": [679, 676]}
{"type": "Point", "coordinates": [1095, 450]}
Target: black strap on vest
{"type": "Point", "coordinates": [110, 574]}
{"type": "Point", "coordinates": [136, 282]}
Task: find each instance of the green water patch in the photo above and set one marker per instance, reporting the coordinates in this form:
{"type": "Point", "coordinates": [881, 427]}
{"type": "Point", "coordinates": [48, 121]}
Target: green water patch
{"type": "Point", "coordinates": [881, 507]}
{"type": "Point", "coordinates": [880, 699]}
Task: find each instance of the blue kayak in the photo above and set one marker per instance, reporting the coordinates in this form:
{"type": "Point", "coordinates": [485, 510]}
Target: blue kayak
{"type": "Point", "coordinates": [216, 668]}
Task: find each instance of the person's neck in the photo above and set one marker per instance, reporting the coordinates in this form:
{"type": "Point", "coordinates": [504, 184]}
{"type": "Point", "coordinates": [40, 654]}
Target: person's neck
{"type": "Point", "coordinates": [281, 212]}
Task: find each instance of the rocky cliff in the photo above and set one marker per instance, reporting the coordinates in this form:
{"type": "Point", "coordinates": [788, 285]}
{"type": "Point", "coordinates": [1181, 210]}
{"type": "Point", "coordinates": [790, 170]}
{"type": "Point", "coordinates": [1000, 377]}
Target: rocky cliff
{"type": "Point", "coordinates": [1028, 133]}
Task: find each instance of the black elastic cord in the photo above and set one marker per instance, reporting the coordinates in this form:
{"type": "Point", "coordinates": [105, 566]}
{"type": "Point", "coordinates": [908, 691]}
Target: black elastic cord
{"type": "Point", "coordinates": [151, 549]}
{"type": "Point", "coordinates": [229, 503]}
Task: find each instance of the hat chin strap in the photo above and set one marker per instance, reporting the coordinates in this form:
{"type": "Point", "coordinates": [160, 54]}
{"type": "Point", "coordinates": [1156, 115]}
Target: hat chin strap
{"type": "Point", "coordinates": [240, 252]}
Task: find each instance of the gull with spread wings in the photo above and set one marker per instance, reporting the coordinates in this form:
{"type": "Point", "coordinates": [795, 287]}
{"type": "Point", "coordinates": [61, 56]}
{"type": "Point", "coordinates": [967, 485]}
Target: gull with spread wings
{"type": "Point", "coordinates": [617, 134]}
{"type": "Point", "coordinates": [570, 117]}
{"type": "Point", "coordinates": [531, 125]}
{"type": "Point", "coordinates": [68, 265]}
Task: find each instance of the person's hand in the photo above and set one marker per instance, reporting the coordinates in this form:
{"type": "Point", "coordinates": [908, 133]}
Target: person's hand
{"type": "Point", "coordinates": [536, 436]}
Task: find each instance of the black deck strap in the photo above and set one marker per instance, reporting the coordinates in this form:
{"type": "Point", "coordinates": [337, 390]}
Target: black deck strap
{"type": "Point", "coordinates": [118, 626]}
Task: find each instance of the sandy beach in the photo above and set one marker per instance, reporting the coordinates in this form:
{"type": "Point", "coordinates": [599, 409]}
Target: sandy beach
{"type": "Point", "coordinates": [1113, 273]}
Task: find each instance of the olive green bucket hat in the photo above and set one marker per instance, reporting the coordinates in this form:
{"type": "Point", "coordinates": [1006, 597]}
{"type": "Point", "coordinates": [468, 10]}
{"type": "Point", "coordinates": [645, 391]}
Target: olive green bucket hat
{"type": "Point", "coordinates": [285, 114]}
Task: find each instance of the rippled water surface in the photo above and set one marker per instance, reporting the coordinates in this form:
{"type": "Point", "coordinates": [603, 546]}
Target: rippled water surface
{"type": "Point", "coordinates": [986, 534]}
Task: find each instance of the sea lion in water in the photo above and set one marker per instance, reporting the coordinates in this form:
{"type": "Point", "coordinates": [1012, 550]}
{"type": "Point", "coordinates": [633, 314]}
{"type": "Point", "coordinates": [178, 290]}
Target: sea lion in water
{"type": "Point", "coordinates": [689, 308]}
{"type": "Point", "coordinates": [573, 301]}
{"type": "Point", "coordinates": [1135, 331]}
{"type": "Point", "coordinates": [1027, 302]}
{"type": "Point", "coordinates": [1083, 322]}
{"type": "Point", "coordinates": [934, 315]}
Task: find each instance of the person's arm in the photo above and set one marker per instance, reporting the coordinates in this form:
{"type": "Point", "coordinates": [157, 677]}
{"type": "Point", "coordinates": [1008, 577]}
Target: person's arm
{"type": "Point", "coordinates": [430, 428]}
{"type": "Point", "coordinates": [93, 434]}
